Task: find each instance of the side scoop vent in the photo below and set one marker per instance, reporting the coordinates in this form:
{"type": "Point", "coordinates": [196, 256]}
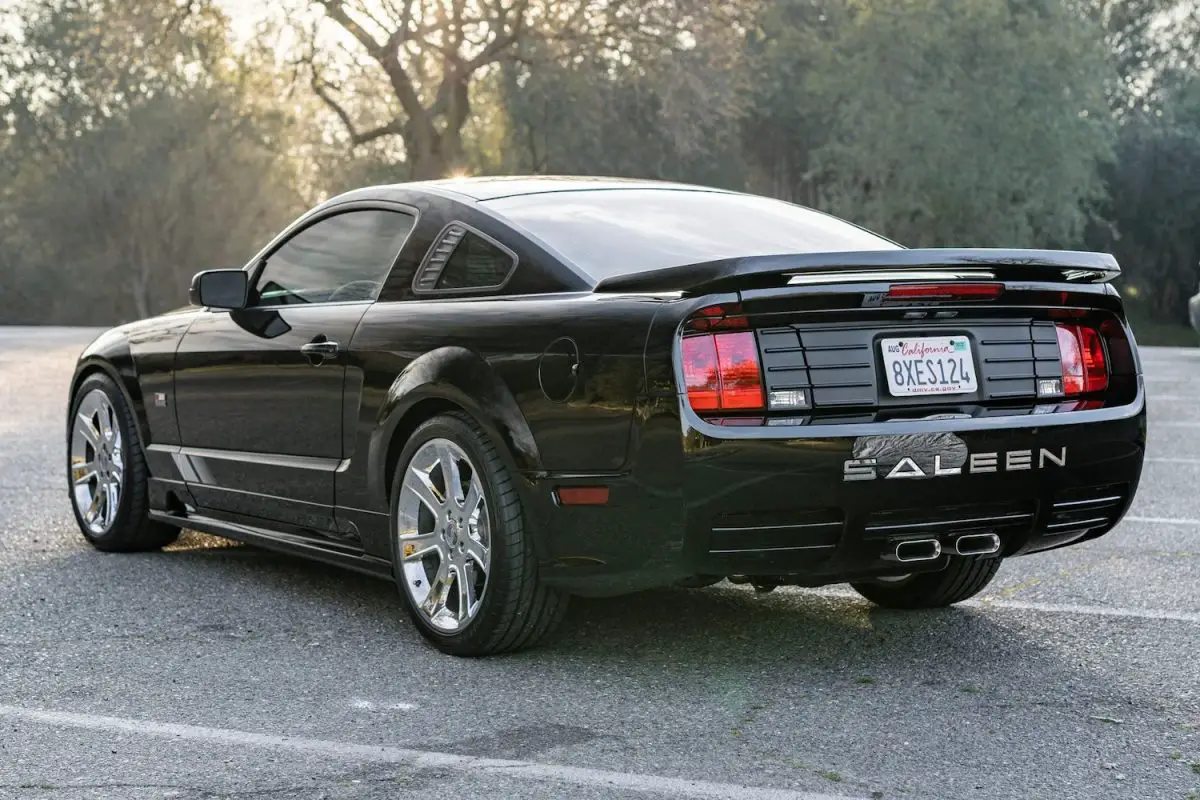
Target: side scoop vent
{"type": "Point", "coordinates": [438, 257]}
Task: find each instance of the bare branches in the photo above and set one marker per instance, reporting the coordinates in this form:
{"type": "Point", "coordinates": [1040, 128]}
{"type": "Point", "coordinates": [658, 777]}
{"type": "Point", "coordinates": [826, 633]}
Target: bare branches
{"type": "Point", "coordinates": [432, 51]}
{"type": "Point", "coordinates": [319, 88]}
{"type": "Point", "coordinates": [337, 12]}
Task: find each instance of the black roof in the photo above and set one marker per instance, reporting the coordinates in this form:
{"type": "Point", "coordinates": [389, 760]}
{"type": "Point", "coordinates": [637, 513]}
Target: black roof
{"type": "Point", "coordinates": [482, 189]}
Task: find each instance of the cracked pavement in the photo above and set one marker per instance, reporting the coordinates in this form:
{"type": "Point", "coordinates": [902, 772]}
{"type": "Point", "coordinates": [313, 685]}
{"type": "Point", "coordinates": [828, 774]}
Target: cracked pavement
{"type": "Point", "coordinates": [1076, 676]}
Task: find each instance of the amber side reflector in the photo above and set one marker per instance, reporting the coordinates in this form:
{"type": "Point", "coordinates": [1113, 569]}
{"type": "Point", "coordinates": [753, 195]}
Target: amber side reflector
{"type": "Point", "coordinates": [582, 495]}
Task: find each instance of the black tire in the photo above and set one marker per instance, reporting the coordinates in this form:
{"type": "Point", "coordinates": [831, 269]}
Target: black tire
{"type": "Point", "coordinates": [961, 580]}
{"type": "Point", "coordinates": [516, 611]}
{"type": "Point", "coordinates": [131, 529]}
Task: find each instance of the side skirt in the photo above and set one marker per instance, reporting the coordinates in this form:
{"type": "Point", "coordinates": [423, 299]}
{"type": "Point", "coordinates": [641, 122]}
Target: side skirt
{"type": "Point", "coordinates": [279, 542]}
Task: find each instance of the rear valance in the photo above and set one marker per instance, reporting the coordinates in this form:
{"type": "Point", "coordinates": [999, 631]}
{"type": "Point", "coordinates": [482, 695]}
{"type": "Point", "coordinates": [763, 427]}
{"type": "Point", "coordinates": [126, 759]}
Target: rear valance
{"type": "Point", "coordinates": [871, 265]}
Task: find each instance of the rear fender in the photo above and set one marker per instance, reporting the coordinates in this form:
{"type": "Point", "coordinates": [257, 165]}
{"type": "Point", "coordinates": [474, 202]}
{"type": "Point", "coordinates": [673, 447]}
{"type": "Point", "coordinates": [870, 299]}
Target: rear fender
{"type": "Point", "coordinates": [462, 377]}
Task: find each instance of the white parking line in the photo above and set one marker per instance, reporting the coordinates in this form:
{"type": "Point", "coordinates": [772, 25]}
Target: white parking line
{"type": "Point", "coordinates": [419, 759]}
{"type": "Point", "coordinates": [1091, 611]}
{"type": "Point", "coordinates": [367, 705]}
{"type": "Point", "coordinates": [1157, 460]}
{"type": "Point", "coordinates": [1164, 520]}
{"type": "Point", "coordinates": [1045, 608]}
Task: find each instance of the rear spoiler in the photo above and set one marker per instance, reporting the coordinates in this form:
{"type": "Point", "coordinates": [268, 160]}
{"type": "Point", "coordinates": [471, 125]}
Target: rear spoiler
{"type": "Point", "coordinates": [871, 265]}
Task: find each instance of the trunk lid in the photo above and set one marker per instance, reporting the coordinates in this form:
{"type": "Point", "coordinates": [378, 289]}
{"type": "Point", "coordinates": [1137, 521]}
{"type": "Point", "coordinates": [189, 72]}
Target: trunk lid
{"type": "Point", "coordinates": [838, 332]}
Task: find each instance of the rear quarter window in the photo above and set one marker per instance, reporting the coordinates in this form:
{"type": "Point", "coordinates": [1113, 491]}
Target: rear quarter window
{"type": "Point", "coordinates": [465, 260]}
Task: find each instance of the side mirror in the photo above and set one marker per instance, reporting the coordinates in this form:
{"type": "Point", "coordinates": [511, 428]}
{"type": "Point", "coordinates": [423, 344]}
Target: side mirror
{"type": "Point", "coordinates": [220, 288]}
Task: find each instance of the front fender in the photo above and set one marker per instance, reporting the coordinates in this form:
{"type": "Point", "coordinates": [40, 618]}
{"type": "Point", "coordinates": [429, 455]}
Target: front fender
{"type": "Point", "coordinates": [450, 375]}
{"type": "Point", "coordinates": [111, 354]}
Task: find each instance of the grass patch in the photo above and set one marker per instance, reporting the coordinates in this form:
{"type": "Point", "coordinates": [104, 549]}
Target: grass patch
{"type": "Point", "coordinates": [1156, 332]}
{"type": "Point", "coordinates": [830, 775]}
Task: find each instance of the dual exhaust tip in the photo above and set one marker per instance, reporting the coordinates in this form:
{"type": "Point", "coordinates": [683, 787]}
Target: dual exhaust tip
{"type": "Point", "coordinates": [971, 544]}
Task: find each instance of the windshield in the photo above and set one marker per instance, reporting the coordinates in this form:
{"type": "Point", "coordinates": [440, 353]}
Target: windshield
{"type": "Point", "coordinates": [617, 232]}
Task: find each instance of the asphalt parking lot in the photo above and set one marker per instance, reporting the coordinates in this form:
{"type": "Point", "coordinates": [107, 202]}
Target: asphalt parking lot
{"type": "Point", "coordinates": [215, 670]}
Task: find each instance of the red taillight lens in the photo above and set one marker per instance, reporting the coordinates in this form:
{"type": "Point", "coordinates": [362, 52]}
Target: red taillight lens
{"type": "Point", "coordinates": [721, 371]}
{"type": "Point", "coordinates": [1095, 364]}
{"type": "Point", "coordinates": [701, 372]}
{"type": "Point", "coordinates": [741, 380]}
{"type": "Point", "coordinates": [1084, 365]}
{"type": "Point", "coordinates": [711, 318]}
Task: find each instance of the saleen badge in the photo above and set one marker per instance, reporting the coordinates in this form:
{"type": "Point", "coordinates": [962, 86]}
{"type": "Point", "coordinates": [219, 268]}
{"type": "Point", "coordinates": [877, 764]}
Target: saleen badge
{"type": "Point", "coordinates": [868, 469]}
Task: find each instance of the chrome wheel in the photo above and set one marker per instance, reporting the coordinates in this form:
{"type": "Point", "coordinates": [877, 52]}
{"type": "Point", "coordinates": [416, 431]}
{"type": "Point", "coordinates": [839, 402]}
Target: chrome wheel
{"type": "Point", "coordinates": [97, 462]}
{"type": "Point", "coordinates": [444, 535]}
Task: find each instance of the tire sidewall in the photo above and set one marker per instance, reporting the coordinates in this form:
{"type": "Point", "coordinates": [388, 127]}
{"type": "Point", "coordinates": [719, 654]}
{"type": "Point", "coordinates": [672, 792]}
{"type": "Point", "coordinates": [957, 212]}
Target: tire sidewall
{"type": "Point", "coordinates": [116, 399]}
{"type": "Point", "coordinates": [475, 635]}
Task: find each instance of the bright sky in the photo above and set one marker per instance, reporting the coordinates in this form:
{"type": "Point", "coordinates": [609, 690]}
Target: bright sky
{"type": "Point", "coordinates": [243, 14]}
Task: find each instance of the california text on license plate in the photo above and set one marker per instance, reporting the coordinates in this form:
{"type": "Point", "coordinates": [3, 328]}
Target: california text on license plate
{"type": "Point", "coordinates": [929, 365]}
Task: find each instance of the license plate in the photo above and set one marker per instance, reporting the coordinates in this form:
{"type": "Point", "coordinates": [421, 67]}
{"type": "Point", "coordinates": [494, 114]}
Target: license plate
{"type": "Point", "coordinates": [929, 365]}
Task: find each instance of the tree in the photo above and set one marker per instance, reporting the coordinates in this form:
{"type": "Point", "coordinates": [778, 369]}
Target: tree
{"type": "Point", "coordinates": [669, 114]}
{"type": "Point", "coordinates": [786, 120]}
{"type": "Point", "coordinates": [430, 54]}
{"type": "Point", "coordinates": [135, 156]}
{"type": "Point", "coordinates": [963, 122]}
{"type": "Point", "coordinates": [1145, 41]}
{"type": "Point", "coordinates": [1155, 205]}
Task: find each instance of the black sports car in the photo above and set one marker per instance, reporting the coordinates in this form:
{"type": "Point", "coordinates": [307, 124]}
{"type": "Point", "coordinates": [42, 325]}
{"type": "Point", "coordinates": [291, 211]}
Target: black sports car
{"type": "Point", "coordinates": [501, 392]}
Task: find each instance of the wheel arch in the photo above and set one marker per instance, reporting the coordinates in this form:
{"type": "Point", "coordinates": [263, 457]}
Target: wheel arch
{"type": "Point", "coordinates": [119, 368]}
{"type": "Point", "coordinates": [443, 380]}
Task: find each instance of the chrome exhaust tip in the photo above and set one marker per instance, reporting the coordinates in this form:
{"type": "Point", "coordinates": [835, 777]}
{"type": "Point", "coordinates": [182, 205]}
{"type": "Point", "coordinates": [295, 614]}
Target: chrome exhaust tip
{"type": "Point", "coordinates": [917, 550]}
{"type": "Point", "coordinates": [977, 544]}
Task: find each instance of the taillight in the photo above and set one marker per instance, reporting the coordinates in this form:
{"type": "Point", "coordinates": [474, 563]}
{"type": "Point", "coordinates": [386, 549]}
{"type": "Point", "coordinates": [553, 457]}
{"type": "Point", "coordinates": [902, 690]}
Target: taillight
{"type": "Point", "coordinates": [726, 317]}
{"type": "Point", "coordinates": [701, 372]}
{"type": "Point", "coordinates": [1084, 365]}
{"type": "Point", "coordinates": [721, 372]}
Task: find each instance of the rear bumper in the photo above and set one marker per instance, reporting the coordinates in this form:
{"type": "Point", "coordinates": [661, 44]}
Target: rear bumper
{"type": "Point", "coordinates": [724, 501]}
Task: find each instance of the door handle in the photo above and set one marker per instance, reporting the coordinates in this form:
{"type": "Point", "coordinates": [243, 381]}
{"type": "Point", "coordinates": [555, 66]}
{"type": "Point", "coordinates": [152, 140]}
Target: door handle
{"type": "Point", "coordinates": [319, 351]}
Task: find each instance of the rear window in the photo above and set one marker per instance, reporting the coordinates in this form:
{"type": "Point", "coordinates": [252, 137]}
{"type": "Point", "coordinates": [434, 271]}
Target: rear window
{"type": "Point", "coordinates": [617, 232]}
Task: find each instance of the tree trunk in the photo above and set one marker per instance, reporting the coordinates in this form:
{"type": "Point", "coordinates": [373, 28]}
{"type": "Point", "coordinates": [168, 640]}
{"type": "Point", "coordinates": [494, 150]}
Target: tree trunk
{"type": "Point", "coordinates": [430, 153]}
{"type": "Point", "coordinates": [426, 163]}
{"type": "Point", "coordinates": [434, 153]}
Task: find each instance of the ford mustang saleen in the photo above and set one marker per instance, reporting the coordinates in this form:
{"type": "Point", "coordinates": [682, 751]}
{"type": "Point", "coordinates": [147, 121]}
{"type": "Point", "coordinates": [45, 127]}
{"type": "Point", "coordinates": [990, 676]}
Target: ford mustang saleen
{"type": "Point", "coordinates": [501, 392]}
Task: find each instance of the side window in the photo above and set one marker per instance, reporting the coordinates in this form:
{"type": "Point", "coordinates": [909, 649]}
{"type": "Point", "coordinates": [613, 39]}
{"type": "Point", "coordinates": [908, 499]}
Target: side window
{"type": "Point", "coordinates": [340, 259]}
{"type": "Point", "coordinates": [464, 260]}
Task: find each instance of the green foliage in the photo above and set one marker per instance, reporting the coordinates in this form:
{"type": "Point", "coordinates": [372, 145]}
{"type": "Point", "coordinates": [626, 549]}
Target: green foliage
{"type": "Point", "coordinates": [139, 143]}
{"type": "Point", "coordinates": [653, 111]}
{"type": "Point", "coordinates": [1155, 205]}
{"type": "Point", "coordinates": [987, 127]}
{"type": "Point", "coordinates": [133, 159]}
